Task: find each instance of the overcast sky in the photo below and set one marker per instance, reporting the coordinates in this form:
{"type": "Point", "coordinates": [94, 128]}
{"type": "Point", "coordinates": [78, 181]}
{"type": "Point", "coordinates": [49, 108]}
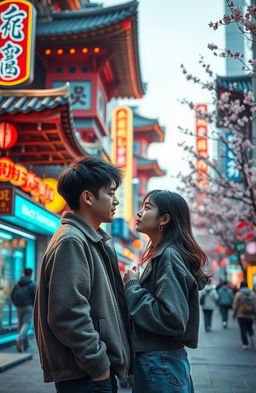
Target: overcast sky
{"type": "Point", "coordinates": [171, 33]}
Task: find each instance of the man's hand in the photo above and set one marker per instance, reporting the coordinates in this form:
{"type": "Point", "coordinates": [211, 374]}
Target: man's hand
{"type": "Point", "coordinates": [102, 377]}
{"type": "Point", "coordinates": [131, 275]}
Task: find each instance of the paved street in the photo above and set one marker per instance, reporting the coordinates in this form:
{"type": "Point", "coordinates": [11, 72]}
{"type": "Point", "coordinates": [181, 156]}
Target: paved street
{"type": "Point", "coordinates": [219, 365]}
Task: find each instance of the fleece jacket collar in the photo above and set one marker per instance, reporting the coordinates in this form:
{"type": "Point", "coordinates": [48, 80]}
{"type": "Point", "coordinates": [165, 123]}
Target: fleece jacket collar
{"type": "Point", "coordinates": [78, 222]}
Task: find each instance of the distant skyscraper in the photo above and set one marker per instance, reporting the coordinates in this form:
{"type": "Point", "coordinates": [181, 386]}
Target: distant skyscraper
{"type": "Point", "coordinates": [234, 40]}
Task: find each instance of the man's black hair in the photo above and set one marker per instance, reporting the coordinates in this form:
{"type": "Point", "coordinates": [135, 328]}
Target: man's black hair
{"type": "Point", "coordinates": [89, 173]}
{"type": "Point", "coordinates": [28, 271]}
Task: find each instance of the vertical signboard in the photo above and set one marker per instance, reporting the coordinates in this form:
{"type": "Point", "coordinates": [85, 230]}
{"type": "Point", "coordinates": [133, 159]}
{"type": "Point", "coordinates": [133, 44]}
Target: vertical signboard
{"type": "Point", "coordinates": [122, 136]}
{"type": "Point", "coordinates": [6, 201]}
{"type": "Point", "coordinates": [17, 42]}
{"type": "Point", "coordinates": [232, 172]}
{"type": "Point", "coordinates": [201, 146]}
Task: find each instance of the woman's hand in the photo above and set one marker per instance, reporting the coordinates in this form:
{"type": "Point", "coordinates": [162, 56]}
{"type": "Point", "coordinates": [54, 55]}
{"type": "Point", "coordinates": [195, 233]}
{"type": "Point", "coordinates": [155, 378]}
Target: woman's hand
{"type": "Point", "coordinates": [131, 275]}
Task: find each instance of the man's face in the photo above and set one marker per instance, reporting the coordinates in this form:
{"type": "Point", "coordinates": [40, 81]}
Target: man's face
{"type": "Point", "coordinates": [103, 208]}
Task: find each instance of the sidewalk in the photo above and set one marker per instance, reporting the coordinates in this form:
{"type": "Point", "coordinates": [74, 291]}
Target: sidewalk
{"type": "Point", "coordinates": [219, 365]}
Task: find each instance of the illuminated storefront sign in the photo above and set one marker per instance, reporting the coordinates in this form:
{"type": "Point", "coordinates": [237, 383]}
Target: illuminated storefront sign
{"type": "Point", "coordinates": [17, 42]}
{"type": "Point", "coordinates": [28, 214]}
{"type": "Point", "coordinates": [18, 175]}
{"type": "Point", "coordinates": [122, 135]}
{"type": "Point", "coordinates": [201, 146]}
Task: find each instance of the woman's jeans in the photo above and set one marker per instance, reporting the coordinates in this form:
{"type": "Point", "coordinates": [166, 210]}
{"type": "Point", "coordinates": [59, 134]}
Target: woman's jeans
{"type": "Point", "coordinates": [87, 385]}
{"type": "Point", "coordinates": [162, 372]}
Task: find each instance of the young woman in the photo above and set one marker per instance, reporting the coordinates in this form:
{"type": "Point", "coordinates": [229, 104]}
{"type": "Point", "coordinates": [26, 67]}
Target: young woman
{"type": "Point", "coordinates": [163, 302]}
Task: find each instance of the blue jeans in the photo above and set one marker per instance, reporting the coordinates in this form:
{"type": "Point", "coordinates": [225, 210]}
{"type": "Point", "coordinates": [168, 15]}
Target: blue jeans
{"type": "Point", "coordinates": [87, 385]}
{"type": "Point", "coordinates": [162, 372]}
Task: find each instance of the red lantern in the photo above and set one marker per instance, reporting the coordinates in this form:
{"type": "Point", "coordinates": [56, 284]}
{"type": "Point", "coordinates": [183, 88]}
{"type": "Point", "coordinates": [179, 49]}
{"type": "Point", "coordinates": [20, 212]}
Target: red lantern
{"type": "Point", "coordinates": [6, 169]}
{"type": "Point", "coordinates": [8, 135]}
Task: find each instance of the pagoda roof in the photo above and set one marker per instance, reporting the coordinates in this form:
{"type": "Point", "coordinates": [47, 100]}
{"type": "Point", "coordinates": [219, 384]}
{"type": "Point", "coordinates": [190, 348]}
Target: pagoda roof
{"type": "Point", "coordinates": [112, 28]}
{"type": "Point", "coordinates": [149, 127]}
{"type": "Point", "coordinates": [71, 22]}
{"type": "Point", "coordinates": [236, 84]}
{"type": "Point", "coordinates": [46, 132]}
{"type": "Point", "coordinates": [150, 166]}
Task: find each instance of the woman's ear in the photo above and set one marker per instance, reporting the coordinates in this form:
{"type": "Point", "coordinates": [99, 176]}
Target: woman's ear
{"type": "Point", "coordinates": [165, 219]}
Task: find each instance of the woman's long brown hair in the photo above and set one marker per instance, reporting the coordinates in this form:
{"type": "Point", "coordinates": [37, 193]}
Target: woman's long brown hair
{"type": "Point", "coordinates": [177, 232]}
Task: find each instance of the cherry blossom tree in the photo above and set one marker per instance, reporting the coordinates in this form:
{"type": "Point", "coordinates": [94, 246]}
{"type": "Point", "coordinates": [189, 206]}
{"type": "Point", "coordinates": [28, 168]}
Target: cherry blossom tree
{"type": "Point", "coordinates": [224, 198]}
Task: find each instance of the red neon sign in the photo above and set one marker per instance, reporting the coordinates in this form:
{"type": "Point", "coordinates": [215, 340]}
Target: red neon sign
{"type": "Point", "coordinates": [201, 145]}
{"type": "Point", "coordinates": [17, 42]}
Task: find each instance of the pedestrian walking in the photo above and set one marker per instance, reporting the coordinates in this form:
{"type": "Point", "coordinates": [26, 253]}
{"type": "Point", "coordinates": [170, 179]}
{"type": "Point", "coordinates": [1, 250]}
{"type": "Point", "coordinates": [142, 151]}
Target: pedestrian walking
{"type": "Point", "coordinates": [81, 319]}
{"type": "Point", "coordinates": [23, 296]}
{"type": "Point", "coordinates": [163, 302]}
{"type": "Point", "coordinates": [208, 301]}
{"type": "Point", "coordinates": [226, 298]}
{"type": "Point", "coordinates": [244, 309]}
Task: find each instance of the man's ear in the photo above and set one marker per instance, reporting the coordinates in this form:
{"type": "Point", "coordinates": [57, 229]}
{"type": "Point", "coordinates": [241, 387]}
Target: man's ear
{"type": "Point", "coordinates": [86, 197]}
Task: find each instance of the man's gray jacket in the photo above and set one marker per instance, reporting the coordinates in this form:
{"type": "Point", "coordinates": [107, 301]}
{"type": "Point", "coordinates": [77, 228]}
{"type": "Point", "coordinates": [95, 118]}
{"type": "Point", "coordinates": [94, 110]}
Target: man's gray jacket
{"type": "Point", "coordinates": [80, 316]}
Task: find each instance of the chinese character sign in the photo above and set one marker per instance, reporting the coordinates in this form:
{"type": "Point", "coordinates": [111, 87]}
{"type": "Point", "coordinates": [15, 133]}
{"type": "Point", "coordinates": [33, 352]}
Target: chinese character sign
{"type": "Point", "coordinates": [6, 201]}
{"type": "Point", "coordinates": [122, 156]}
{"type": "Point", "coordinates": [81, 93]}
{"type": "Point", "coordinates": [17, 42]}
{"type": "Point", "coordinates": [201, 145]}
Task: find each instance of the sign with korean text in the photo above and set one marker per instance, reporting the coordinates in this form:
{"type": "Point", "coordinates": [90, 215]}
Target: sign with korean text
{"type": "Point", "coordinates": [122, 157]}
{"type": "Point", "coordinates": [17, 42]}
{"type": "Point", "coordinates": [201, 145]}
{"type": "Point", "coordinates": [6, 201]}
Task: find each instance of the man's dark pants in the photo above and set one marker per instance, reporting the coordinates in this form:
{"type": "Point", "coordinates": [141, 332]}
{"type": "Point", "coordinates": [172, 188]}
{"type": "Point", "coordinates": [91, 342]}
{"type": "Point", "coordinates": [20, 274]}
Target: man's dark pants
{"type": "Point", "coordinates": [87, 385]}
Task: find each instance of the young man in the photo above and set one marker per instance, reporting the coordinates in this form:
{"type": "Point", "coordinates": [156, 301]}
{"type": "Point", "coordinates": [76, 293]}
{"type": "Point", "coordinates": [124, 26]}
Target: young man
{"type": "Point", "coordinates": [81, 320]}
{"type": "Point", "coordinates": [23, 296]}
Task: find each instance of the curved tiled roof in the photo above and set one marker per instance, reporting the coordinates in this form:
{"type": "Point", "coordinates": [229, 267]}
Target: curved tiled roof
{"type": "Point", "coordinates": [149, 164]}
{"type": "Point", "coordinates": [71, 22]}
{"type": "Point", "coordinates": [147, 125]}
{"type": "Point", "coordinates": [53, 143]}
{"type": "Point", "coordinates": [235, 83]}
{"type": "Point", "coordinates": [25, 104]}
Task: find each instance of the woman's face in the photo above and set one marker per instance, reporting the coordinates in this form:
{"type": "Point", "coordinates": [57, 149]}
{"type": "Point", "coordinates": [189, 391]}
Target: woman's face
{"type": "Point", "coordinates": [148, 219]}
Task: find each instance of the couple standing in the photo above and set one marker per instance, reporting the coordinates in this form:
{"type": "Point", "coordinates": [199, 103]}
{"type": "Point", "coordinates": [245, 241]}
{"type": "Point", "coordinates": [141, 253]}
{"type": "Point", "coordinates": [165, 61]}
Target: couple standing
{"type": "Point", "coordinates": [84, 312]}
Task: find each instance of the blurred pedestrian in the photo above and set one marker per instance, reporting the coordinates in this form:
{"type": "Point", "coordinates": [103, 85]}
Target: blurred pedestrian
{"type": "Point", "coordinates": [244, 309]}
{"type": "Point", "coordinates": [226, 298]}
{"type": "Point", "coordinates": [81, 318]}
{"type": "Point", "coordinates": [208, 299]}
{"type": "Point", "coordinates": [23, 296]}
{"type": "Point", "coordinates": [163, 302]}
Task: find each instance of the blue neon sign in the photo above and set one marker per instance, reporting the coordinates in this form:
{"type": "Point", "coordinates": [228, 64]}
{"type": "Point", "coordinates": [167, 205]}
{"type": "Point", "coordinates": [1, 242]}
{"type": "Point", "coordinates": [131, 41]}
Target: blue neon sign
{"type": "Point", "coordinates": [33, 214]}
